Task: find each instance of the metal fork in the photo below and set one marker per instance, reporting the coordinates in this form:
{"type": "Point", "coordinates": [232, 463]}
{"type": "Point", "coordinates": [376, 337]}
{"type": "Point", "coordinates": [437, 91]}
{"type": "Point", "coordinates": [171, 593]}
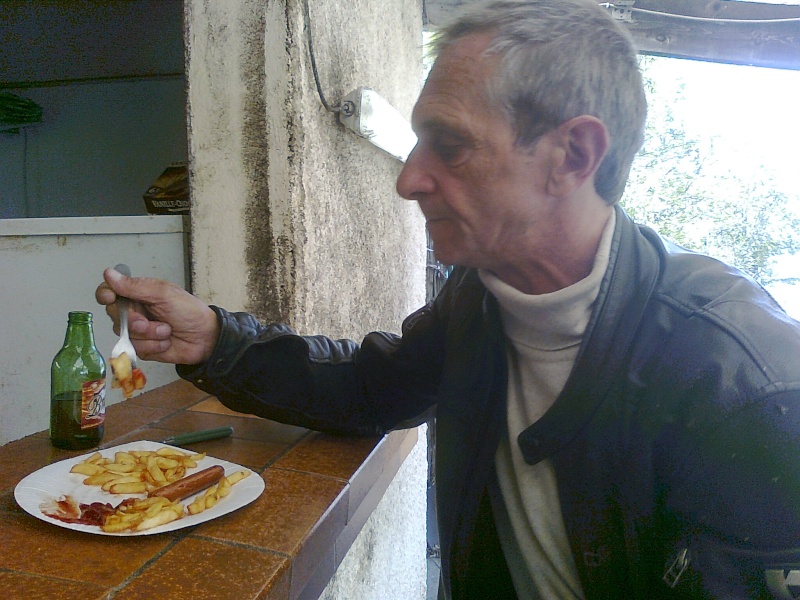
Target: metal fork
{"type": "Point", "coordinates": [124, 343]}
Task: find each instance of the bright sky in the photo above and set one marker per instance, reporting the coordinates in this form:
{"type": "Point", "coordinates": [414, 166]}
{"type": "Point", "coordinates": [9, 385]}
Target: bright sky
{"type": "Point", "coordinates": [753, 111]}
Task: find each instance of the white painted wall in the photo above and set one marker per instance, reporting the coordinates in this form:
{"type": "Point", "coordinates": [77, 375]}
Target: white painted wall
{"type": "Point", "coordinates": [52, 266]}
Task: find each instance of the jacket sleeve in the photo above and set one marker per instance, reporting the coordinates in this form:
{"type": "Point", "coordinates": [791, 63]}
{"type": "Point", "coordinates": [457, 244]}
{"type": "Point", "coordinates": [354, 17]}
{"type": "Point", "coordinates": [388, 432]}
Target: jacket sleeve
{"type": "Point", "coordinates": [387, 382]}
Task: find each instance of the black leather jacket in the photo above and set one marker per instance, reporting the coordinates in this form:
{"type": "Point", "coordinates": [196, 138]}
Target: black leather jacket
{"type": "Point", "coordinates": [675, 442]}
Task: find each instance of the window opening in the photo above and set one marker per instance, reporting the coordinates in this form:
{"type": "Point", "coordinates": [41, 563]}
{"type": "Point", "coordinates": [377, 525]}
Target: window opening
{"type": "Point", "coordinates": [716, 173]}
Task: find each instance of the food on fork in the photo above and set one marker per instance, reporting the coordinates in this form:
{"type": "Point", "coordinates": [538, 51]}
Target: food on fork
{"type": "Point", "coordinates": [126, 376]}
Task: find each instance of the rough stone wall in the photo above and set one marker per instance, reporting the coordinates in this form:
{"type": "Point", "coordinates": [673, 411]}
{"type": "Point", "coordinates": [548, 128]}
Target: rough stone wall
{"type": "Point", "coordinates": [295, 218]}
{"type": "Point", "coordinates": [364, 247]}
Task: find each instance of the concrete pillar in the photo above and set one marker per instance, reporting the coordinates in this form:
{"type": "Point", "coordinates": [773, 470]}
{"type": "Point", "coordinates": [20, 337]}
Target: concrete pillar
{"type": "Point", "coordinates": [293, 217]}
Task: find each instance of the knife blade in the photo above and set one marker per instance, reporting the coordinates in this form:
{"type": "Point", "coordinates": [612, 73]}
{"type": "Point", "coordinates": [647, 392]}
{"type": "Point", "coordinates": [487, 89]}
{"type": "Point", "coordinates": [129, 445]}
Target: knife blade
{"type": "Point", "coordinates": [198, 436]}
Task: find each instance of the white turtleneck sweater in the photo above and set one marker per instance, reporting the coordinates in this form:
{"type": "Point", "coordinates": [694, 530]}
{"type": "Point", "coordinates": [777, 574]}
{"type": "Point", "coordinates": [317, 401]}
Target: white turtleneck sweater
{"type": "Point", "coordinates": [543, 335]}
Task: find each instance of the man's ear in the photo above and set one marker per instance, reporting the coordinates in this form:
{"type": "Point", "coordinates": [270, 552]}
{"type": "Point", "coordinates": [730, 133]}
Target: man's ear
{"type": "Point", "coordinates": [583, 143]}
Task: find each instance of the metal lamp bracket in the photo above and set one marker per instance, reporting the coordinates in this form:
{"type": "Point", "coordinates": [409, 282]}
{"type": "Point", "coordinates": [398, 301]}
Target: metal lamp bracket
{"type": "Point", "coordinates": [621, 10]}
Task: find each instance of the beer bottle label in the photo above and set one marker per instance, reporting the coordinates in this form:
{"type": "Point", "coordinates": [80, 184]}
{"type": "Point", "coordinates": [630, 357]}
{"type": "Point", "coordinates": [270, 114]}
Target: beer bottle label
{"type": "Point", "coordinates": [93, 403]}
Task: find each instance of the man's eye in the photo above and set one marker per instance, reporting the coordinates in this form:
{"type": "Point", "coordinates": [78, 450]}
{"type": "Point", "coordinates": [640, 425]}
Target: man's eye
{"type": "Point", "coordinates": [450, 152]}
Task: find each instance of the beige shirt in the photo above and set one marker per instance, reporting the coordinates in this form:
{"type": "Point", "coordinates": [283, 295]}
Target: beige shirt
{"type": "Point", "coordinates": [543, 334]}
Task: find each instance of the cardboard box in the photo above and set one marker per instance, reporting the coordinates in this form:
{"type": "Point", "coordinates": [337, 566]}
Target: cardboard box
{"type": "Point", "coordinates": [169, 194]}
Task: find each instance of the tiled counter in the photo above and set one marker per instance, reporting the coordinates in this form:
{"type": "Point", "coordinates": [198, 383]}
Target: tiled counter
{"type": "Point", "coordinates": [320, 490]}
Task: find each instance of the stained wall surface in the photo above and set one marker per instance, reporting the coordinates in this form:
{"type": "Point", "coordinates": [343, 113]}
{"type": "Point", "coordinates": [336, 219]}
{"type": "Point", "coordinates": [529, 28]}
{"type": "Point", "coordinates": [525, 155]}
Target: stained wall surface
{"type": "Point", "coordinates": [296, 219]}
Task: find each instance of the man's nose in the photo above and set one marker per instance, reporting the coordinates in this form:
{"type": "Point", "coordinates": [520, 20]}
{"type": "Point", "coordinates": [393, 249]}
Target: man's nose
{"type": "Point", "coordinates": [414, 180]}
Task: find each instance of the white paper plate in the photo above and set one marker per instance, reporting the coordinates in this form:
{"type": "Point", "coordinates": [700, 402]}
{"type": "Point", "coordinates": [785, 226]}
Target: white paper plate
{"type": "Point", "coordinates": [55, 480]}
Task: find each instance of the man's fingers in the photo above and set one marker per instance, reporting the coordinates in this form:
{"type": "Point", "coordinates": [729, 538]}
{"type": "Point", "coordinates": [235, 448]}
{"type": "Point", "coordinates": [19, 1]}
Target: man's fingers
{"type": "Point", "coordinates": [142, 328]}
{"type": "Point", "coordinates": [146, 291]}
{"type": "Point", "coordinates": [152, 349]}
{"type": "Point", "coordinates": [104, 294]}
{"type": "Point", "coordinates": [133, 288]}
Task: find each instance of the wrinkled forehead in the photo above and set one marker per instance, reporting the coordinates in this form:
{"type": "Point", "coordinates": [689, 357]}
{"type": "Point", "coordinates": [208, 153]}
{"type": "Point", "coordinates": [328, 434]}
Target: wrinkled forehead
{"type": "Point", "coordinates": [462, 72]}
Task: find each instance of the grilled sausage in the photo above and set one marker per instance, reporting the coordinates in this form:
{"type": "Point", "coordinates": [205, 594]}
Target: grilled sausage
{"type": "Point", "coordinates": [191, 484]}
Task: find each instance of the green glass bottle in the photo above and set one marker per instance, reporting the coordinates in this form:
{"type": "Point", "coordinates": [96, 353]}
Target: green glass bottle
{"type": "Point", "coordinates": [78, 388]}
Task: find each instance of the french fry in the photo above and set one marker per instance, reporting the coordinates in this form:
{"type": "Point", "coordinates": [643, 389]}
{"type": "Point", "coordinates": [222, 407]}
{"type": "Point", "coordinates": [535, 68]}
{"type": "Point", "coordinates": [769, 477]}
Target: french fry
{"type": "Point", "coordinates": [155, 471]}
{"type": "Point", "coordinates": [117, 523]}
{"type": "Point", "coordinates": [139, 454]}
{"type": "Point", "coordinates": [197, 506]}
{"type": "Point", "coordinates": [237, 476]}
{"type": "Point", "coordinates": [128, 487]}
{"type": "Point", "coordinates": [153, 510]}
{"type": "Point", "coordinates": [150, 502]}
{"type": "Point", "coordinates": [124, 457]}
{"type": "Point", "coordinates": [169, 452]}
{"type": "Point", "coordinates": [124, 467]}
{"type": "Point", "coordinates": [100, 479]}
{"type": "Point", "coordinates": [141, 471]}
{"type": "Point", "coordinates": [167, 463]}
{"type": "Point", "coordinates": [106, 487]}
{"type": "Point", "coordinates": [94, 458]}
{"type": "Point", "coordinates": [175, 474]}
{"type": "Point", "coordinates": [87, 469]}
{"type": "Point", "coordinates": [224, 487]}
{"type": "Point", "coordinates": [161, 518]}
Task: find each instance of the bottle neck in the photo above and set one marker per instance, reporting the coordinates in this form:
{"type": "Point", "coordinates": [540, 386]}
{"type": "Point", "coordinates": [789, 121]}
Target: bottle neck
{"type": "Point", "coordinates": [79, 330]}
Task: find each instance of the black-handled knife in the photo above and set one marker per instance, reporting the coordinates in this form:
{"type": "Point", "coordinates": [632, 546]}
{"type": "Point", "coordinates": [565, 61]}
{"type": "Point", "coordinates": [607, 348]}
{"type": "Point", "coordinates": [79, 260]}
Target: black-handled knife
{"type": "Point", "coordinates": [198, 436]}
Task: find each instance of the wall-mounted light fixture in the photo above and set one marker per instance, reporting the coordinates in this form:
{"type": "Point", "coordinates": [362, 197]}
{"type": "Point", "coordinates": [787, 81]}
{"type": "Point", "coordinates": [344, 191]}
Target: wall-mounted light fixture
{"type": "Point", "coordinates": [370, 116]}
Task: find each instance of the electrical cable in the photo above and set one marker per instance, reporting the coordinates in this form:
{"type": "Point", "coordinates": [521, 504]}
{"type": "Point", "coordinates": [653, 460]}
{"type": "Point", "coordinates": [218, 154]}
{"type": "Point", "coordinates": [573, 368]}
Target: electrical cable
{"type": "Point", "coordinates": [328, 107]}
{"type": "Point", "coordinates": [702, 19]}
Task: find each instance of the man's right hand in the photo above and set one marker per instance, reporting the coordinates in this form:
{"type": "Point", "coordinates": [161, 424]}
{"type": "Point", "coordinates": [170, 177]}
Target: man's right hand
{"type": "Point", "coordinates": [166, 323]}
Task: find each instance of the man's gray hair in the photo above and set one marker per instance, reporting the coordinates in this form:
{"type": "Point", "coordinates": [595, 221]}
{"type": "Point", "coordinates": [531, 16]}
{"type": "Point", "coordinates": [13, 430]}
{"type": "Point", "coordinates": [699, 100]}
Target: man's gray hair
{"type": "Point", "coordinates": [560, 59]}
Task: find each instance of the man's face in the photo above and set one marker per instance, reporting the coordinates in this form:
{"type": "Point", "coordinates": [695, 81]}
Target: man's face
{"type": "Point", "coordinates": [481, 195]}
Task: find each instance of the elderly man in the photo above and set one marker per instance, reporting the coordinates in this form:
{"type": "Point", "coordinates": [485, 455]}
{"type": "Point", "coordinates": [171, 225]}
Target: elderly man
{"type": "Point", "coordinates": [616, 417]}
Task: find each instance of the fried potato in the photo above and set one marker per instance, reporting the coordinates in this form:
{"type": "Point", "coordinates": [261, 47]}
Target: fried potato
{"type": "Point", "coordinates": [150, 502]}
{"type": "Point", "coordinates": [100, 479]}
{"type": "Point", "coordinates": [87, 469]}
{"type": "Point", "coordinates": [126, 376]}
{"type": "Point", "coordinates": [94, 458]}
{"type": "Point", "coordinates": [128, 487]}
{"type": "Point", "coordinates": [122, 522]}
{"type": "Point", "coordinates": [141, 471]}
{"type": "Point", "coordinates": [197, 506]}
{"type": "Point", "coordinates": [224, 487]}
{"type": "Point", "coordinates": [155, 471]}
{"type": "Point", "coordinates": [124, 467]}
{"type": "Point", "coordinates": [120, 479]}
{"type": "Point", "coordinates": [169, 452]}
{"type": "Point", "coordinates": [167, 463]}
{"type": "Point", "coordinates": [153, 468]}
{"type": "Point", "coordinates": [121, 367]}
{"type": "Point", "coordinates": [124, 457]}
{"type": "Point", "coordinates": [160, 518]}
{"type": "Point", "coordinates": [237, 476]}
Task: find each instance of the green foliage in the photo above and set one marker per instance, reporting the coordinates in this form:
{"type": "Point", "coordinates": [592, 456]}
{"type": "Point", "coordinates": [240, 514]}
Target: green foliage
{"type": "Point", "coordinates": [16, 112]}
{"type": "Point", "coordinates": [678, 189]}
